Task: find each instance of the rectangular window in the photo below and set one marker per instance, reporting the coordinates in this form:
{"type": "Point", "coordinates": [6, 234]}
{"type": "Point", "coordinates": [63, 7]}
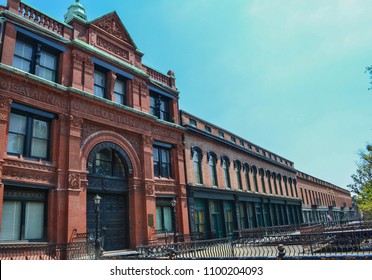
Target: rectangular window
{"type": "Point", "coordinates": [100, 83]}
{"type": "Point", "coordinates": [233, 139]}
{"type": "Point", "coordinates": [208, 129]}
{"type": "Point", "coordinates": [229, 217]}
{"type": "Point", "coordinates": [29, 135]}
{"type": "Point", "coordinates": [193, 122]}
{"type": "Point", "coordinates": [200, 215]}
{"type": "Point", "coordinates": [23, 215]}
{"type": "Point", "coordinates": [162, 162]}
{"type": "Point", "coordinates": [221, 134]}
{"type": "Point", "coordinates": [242, 143]}
{"type": "Point", "coordinates": [243, 213]}
{"type": "Point", "coordinates": [36, 58]}
{"type": "Point", "coordinates": [120, 90]}
{"type": "Point", "coordinates": [160, 106]}
{"type": "Point", "coordinates": [164, 218]}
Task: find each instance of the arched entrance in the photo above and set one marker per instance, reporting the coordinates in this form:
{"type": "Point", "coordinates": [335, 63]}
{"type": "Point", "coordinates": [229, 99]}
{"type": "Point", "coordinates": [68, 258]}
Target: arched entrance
{"type": "Point", "coordinates": [109, 168]}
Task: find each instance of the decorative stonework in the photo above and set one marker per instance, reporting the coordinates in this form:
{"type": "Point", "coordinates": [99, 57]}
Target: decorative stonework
{"type": "Point", "coordinates": [29, 172]}
{"type": "Point", "coordinates": [3, 116]}
{"type": "Point", "coordinates": [147, 140]}
{"type": "Point", "coordinates": [28, 165]}
{"type": "Point", "coordinates": [74, 181]}
{"type": "Point", "coordinates": [183, 191]}
{"type": "Point", "coordinates": [164, 189]}
{"type": "Point", "coordinates": [149, 188]}
{"type": "Point", "coordinates": [28, 176]}
{"type": "Point", "coordinates": [76, 121]}
{"type": "Point", "coordinates": [180, 149]}
{"type": "Point", "coordinates": [4, 108]}
{"type": "Point", "coordinates": [1, 169]}
{"type": "Point", "coordinates": [32, 92]}
{"type": "Point", "coordinates": [106, 45]}
{"type": "Point", "coordinates": [83, 181]}
{"type": "Point", "coordinates": [164, 186]}
{"type": "Point", "coordinates": [113, 26]}
{"type": "Point", "coordinates": [81, 58]}
{"type": "Point", "coordinates": [88, 129]}
{"type": "Point", "coordinates": [4, 101]}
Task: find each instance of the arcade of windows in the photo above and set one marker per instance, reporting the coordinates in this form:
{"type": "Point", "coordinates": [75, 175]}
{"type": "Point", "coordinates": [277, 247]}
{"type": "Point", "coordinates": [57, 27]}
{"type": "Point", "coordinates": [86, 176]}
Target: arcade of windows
{"type": "Point", "coordinates": [254, 178]}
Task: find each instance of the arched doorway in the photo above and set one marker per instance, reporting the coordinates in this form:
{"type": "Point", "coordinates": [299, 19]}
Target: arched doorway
{"type": "Point", "coordinates": [109, 168]}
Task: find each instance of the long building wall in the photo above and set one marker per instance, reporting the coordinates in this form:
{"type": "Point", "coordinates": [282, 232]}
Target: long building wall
{"type": "Point", "coordinates": [323, 201]}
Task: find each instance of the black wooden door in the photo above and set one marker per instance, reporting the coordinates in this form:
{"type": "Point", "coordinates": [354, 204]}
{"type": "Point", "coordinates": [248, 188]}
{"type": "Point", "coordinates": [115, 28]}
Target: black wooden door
{"type": "Point", "coordinates": [114, 220]}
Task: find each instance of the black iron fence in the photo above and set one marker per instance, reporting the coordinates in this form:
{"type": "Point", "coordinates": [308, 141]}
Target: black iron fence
{"type": "Point", "coordinates": [338, 242]}
{"type": "Point", "coordinates": [61, 251]}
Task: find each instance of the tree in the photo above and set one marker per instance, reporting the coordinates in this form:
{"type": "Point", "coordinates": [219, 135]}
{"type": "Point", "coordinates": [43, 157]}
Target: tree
{"type": "Point", "coordinates": [369, 70]}
{"type": "Point", "coordinates": [362, 186]}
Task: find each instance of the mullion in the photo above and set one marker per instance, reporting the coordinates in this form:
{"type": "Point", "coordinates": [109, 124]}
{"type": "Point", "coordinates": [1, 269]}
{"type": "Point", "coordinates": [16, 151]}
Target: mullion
{"type": "Point", "coordinates": [28, 137]}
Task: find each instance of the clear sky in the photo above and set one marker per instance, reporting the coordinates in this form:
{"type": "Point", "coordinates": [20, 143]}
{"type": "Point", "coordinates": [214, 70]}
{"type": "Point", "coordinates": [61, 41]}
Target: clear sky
{"type": "Point", "coordinates": [285, 75]}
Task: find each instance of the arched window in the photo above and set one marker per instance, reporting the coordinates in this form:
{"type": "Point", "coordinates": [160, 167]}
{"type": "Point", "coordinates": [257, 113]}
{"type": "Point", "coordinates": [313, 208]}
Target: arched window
{"type": "Point", "coordinates": [286, 185]}
{"type": "Point", "coordinates": [197, 159]}
{"type": "Point", "coordinates": [212, 162]}
{"type": "Point", "coordinates": [279, 177]}
{"type": "Point", "coordinates": [225, 162]}
{"type": "Point", "coordinates": [254, 174]}
{"type": "Point", "coordinates": [268, 176]}
{"type": "Point", "coordinates": [261, 172]}
{"type": "Point", "coordinates": [273, 176]}
{"type": "Point", "coordinates": [238, 167]}
{"type": "Point", "coordinates": [290, 186]}
{"type": "Point", "coordinates": [295, 187]}
{"type": "Point", "coordinates": [246, 175]}
{"type": "Point", "coordinates": [109, 163]}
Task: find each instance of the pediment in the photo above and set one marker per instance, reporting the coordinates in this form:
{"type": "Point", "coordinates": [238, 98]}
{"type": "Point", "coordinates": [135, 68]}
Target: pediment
{"type": "Point", "coordinates": [112, 25]}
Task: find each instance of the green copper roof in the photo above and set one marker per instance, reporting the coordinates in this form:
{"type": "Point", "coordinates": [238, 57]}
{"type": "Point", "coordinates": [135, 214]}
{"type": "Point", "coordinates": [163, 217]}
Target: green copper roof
{"type": "Point", "coordinates": [76, 11]}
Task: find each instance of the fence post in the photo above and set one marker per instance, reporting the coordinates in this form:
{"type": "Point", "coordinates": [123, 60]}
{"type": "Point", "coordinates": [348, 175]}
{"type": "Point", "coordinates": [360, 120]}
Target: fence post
{"type": "Point", "coordinates": [232, 247]}
{"type": "Point", "coordinates": [281, 252]}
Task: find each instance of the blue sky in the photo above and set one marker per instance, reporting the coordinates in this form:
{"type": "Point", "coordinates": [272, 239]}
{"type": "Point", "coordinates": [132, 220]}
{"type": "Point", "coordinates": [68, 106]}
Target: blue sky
{"type": "Point", "coordinates": [287, 77]}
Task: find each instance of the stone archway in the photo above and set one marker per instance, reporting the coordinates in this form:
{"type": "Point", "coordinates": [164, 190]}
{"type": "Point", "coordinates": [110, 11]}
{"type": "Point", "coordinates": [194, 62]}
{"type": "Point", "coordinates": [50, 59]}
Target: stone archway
{"type": "Point", "coordinates": [109, 168]}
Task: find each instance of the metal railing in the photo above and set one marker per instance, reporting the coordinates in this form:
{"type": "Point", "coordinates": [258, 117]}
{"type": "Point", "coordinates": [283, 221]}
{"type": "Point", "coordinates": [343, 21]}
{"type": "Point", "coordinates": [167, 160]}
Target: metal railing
{"type": "Point", "coordinates": [338, 244]}
{"type": "Point", "coordinates": [61, 251]}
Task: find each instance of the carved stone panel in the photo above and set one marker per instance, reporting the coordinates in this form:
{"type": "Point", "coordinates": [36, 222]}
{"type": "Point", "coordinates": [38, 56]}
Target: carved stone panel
{"type": "Point", "coordinates": [149, 188]}
{"type": "Point", "coordinates": [74, 181]}
{"type": "Point", "coordinates": [28, 172]}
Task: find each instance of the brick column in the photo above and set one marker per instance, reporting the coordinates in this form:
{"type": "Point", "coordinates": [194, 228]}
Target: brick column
{"type": "Point", "coordinates": [76, 197]}
{"type": "Point", "coordinates": [182, 213]}
{"type": "Point", "coordinates": [149, 205]}
{"type": "Point", "coordinates": [5, 103]}
{"type": "Point", "coordinates": [136, 194]}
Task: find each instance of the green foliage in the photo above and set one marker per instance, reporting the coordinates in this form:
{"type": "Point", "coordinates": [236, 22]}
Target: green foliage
{"type": "Point", "coordinates": [362, 185]}
{"type": "Point", "coordinates": [369, 70]}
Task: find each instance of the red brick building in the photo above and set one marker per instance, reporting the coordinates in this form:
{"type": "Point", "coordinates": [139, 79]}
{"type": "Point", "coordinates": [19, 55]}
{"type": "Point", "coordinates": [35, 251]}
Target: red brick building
{"type": "Point", "coordinates": [235, 184]}
{"type": "Point", "coordinates": [80, 115]}
{"type": "Point", "coordinates": [323, 201]}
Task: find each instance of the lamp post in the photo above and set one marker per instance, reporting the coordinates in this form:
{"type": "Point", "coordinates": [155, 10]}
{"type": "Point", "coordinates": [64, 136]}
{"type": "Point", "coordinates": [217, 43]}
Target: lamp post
{"type": "Point", "coordinates": [97, 241]}
{"type": "Point", "coordinates": [174, 204]}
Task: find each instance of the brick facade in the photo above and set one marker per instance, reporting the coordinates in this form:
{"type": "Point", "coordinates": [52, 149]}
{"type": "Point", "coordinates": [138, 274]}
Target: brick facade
{"type": "Point", "coordinates": [84, 116]}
